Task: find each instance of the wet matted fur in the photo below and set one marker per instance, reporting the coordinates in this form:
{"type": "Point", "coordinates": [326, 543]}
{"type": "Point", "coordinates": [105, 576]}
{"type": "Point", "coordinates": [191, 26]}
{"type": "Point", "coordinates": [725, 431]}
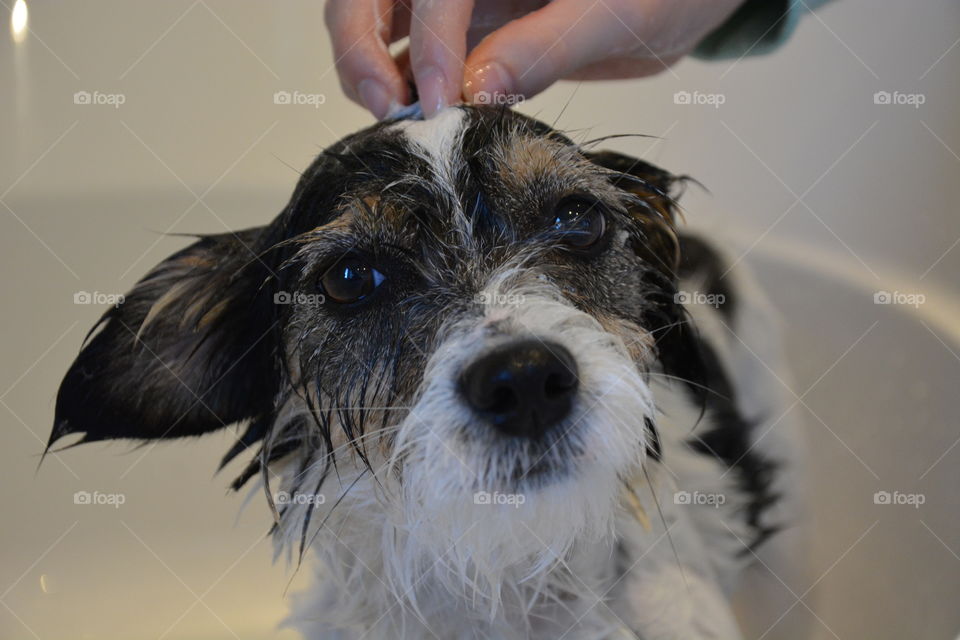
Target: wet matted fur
{"type": "Point", "coordinates": [340, 332]}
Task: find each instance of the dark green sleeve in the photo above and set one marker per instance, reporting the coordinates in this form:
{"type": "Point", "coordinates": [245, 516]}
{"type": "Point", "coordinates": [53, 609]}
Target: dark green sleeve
{"type": "Point", "coordinates": [757, 27]}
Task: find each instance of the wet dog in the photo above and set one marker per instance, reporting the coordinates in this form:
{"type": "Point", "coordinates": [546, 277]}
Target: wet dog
{"type": "Point", "coordinates": [487, 382]}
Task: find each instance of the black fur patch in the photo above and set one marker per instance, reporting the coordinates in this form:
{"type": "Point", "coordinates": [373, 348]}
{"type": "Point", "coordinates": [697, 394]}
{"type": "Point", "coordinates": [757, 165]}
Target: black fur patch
{"type": "Point", "coordinates": [699, 260]}
{"type": "Point", "coordinates": [694, 360]}
{"type": "Point", "coordinates": [729, 440]}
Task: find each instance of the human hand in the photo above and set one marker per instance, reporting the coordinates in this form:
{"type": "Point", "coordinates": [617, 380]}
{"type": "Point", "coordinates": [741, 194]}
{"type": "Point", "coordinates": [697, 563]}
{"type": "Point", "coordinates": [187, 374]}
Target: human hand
{"type": "Point", "coordinates": [506, 47]}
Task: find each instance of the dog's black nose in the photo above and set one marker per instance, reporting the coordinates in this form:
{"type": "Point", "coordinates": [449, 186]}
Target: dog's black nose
{"type": "Point", "coordinates": [523, 388]}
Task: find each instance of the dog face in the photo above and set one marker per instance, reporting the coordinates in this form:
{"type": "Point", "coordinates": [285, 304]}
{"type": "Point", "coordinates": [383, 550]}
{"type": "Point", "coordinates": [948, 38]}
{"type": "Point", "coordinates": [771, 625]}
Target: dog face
{"type": "Point", "coordinates": [446, 332]}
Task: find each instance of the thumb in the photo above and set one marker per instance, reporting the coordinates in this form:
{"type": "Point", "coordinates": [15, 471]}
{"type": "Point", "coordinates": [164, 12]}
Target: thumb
{"type": "Point", "coordinates": [529, 54]}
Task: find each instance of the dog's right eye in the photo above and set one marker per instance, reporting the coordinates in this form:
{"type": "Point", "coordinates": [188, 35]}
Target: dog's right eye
{"type": "Point", "coordinates": [350, 279]}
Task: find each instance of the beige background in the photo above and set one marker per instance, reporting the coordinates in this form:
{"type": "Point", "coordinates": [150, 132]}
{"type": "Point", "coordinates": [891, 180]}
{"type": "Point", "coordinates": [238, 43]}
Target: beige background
{"type": "Point", "coordinates": [829, 195]}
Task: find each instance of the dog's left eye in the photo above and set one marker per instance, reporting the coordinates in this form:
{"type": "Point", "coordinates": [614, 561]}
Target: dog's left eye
{"type": "Point", "coordinates": [350, 279]}
{"type": "Point", "coordinates": [580, 220]}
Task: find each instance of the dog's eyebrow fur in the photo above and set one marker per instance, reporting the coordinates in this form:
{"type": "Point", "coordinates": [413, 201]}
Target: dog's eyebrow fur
{"type": "Point", "coordinates": [524, 159]}
{"type": "Point", "coordinates": [342, 222]}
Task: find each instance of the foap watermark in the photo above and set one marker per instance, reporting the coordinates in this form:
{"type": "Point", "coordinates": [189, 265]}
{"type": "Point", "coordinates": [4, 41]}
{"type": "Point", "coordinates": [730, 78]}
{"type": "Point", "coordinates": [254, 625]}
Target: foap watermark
{"type": "Point", "coordinates": [497, 498]}
{"type": "Point", "coordinates": [297, 497]}
{"type": "Point", "coordinates": [299, 298]}
{"type": "Point", "coordinates": [115, 100]}
{"type": "Point", "coordinates": [714, 500]}
{"type": "Point", "coordinates": [896, 497]}
{"type": "Point", "coordinates": [898, 98]}
{"type": "Point", "coordinates": [97, 498]}
{"type": "Point", "coordinates": [696, 98]}
{"type": "Point", "coordinates": [502, 299]}
{"type": "Point", "coordinates": [714, 300]}
{"type": "Point", "coordinates": [899, 297]}
{"type": "Point", "coordinates": [98, 297]}
{"type": "Point", "coordinates": [498, 99]}
{"type": "Point", "coordinates": [314, 100]}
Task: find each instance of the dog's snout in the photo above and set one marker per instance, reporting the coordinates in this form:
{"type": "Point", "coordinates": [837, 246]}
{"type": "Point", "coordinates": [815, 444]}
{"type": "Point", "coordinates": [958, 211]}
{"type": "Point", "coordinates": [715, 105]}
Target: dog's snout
{"type": "Point", "coordinates": [522, 388]}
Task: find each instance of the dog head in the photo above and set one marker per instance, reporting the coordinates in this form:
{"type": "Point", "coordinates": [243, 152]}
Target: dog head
{"type": "Point", "coordinates": [444, 336]}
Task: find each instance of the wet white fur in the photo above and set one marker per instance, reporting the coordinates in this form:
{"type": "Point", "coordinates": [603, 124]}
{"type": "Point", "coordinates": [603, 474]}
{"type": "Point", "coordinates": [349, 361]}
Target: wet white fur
{"type": "Point", "coordinates": [432, 548]}
{"type": "Point", "coordinates": [437, 142]}
{"type": "Point", "coordinates": [418, 558]}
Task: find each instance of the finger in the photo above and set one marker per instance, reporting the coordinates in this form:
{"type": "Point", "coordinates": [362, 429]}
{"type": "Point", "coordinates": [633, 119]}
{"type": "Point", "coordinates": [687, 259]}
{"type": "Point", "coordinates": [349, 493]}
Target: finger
{"type": "Point", "coordinates": [438, 45]}
{"type": "Point", "coordinates": [360, 32]}
{"type": "Point", "coordinates": [529, 54]}
{"type": "Point", "coordinates": [400, 27]}
{"type": "Point", "coordinates": [490, 15]}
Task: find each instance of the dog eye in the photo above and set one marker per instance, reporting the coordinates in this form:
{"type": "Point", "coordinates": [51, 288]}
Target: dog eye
{"type": "Point", "coordinates": [580, 220]}
{"type": "Point", "coordinates": [350, 279]}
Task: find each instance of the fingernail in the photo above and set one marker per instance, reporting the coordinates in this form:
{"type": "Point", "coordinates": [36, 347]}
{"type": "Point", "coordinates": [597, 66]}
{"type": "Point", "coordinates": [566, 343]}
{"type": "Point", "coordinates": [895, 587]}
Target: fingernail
{"type": "Point", "coordinates": [432, 86]}
{"type": "Point", "coordinates": [484, 81]}
{"type": "Point", "coordinates": [374, 97]}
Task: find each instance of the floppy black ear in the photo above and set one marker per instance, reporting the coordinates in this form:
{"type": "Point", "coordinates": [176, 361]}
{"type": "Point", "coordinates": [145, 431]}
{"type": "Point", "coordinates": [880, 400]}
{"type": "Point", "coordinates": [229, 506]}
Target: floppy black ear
{"type": "Point", "coordinates": [190, 349]}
